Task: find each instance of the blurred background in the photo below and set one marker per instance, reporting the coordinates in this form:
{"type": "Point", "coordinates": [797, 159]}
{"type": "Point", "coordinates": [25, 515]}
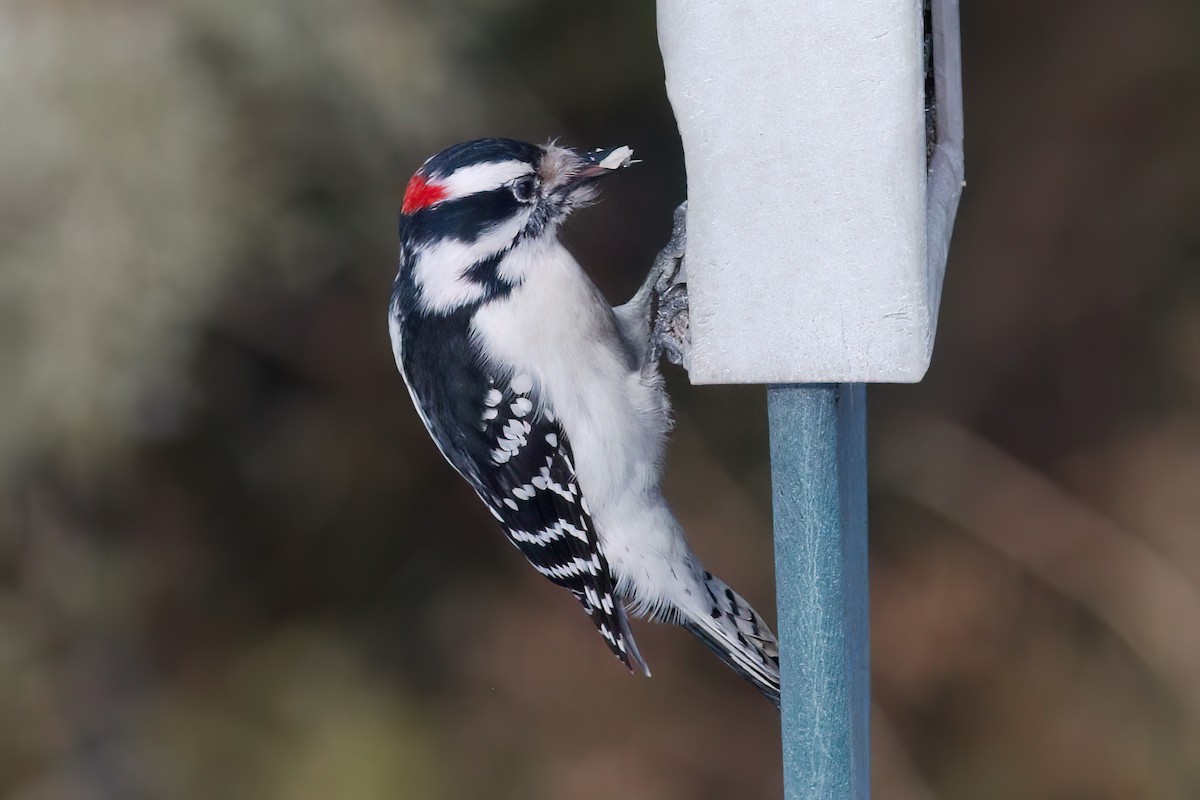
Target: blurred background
{"type": "Point", "coordinates": [232, 564]}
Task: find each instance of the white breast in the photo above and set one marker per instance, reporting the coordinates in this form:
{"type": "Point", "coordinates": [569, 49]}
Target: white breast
{"type": "Point", "coordinates": [557, 328]}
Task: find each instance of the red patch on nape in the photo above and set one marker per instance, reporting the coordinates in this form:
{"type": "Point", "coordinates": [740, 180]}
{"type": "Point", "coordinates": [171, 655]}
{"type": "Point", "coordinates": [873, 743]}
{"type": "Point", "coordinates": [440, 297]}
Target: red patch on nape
{"type": "Point", "coordinates": [421, 194]}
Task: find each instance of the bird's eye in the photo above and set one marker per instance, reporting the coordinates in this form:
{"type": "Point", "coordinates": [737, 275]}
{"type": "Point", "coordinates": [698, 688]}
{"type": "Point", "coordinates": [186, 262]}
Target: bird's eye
{"type": "Point", "coordinates": [525, 189]}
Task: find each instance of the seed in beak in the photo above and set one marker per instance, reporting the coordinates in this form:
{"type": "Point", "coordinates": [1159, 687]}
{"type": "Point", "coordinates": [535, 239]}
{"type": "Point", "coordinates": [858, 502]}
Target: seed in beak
{"type": "Point", "coordinates": [616, 158]}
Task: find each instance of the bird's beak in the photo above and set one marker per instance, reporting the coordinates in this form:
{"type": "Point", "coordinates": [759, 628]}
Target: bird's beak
{"type": "Point", "coordinates": [570, 176]}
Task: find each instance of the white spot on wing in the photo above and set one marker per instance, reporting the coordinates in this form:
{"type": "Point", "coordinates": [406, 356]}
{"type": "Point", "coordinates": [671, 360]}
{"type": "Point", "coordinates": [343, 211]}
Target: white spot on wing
{"type": "Point", "coordinates": [576, 566]}
{"type": "Point", "coordinates": [549, 534]}
{"type": "Point", "coordinates": [606, 603]}
{"type": "Point", "coordinates": [522, 383]}
{"type": "Point", "coordinates": [544, 481]}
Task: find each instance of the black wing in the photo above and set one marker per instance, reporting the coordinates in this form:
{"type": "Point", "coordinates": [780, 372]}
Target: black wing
{"type": "Point", "coordinates": [507, 444]}
{"type": "Point", "coordinates": [527, 478]}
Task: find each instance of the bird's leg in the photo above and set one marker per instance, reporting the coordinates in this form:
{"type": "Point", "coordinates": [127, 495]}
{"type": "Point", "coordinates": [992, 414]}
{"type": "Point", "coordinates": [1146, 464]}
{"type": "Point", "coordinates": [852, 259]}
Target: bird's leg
{"type": "Point", "coordinates": [672, 336]}
{"type": "Point", "coordinates": [654, 321]}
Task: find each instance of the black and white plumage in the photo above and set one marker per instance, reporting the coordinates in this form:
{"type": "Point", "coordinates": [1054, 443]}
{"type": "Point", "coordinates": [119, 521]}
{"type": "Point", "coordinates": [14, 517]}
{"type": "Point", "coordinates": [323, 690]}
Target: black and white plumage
{"type": "Point", "coordinates": [547, 400]}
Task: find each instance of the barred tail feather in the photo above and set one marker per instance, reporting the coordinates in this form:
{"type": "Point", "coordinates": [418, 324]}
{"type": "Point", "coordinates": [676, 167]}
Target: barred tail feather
{"type": "Point", "coordinates": [635, 657]}
{"type": "Point", "coordinates": [620, 640]}
{"type": "Point", "coordinates": [738, 636]}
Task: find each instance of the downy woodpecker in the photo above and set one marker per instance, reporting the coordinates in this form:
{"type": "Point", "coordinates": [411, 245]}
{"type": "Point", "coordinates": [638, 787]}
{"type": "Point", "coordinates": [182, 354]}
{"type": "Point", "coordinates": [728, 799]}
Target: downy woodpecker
{"type": "Point", "coordinates": [548, 401]}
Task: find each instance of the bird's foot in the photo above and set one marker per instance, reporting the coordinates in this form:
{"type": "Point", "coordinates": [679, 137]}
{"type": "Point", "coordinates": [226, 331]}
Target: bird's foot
{"type": "Point", "coordinates": [667, 269]}
{"type": "Point", "coordinates": [654, 321]}
{"type": "Point", "coordinates": [670, 334]}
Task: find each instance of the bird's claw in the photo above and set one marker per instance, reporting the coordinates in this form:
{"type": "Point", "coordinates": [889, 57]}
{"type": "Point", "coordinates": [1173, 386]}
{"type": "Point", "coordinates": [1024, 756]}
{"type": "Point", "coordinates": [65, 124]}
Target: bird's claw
{"type": "Point", "coordinates": [655, 320]}
{"type": "Point", "coordinates": [671, 334]}
{"type": "Point", "coordinates": [669, 331]}
{"type": "Point", "coordinates": [668, 264]}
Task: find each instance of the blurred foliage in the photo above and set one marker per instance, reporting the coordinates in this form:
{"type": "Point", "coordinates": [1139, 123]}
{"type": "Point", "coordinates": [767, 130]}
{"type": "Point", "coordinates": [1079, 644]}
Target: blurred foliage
{"type": "Point", "coordinates": [233, 565]}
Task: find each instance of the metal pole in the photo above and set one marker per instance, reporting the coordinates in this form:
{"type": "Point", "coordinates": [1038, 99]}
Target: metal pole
{"type": "Point", "coordinates": [818, 468]}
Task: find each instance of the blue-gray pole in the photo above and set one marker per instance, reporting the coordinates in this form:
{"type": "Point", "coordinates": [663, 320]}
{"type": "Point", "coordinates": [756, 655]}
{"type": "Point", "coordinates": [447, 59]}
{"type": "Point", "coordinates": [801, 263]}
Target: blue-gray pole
{"type": "Point", "coordinates": [818, 469]}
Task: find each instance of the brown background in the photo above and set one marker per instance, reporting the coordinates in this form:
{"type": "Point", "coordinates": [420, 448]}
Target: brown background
{"type": "Point", "coordinates": [232, 564]}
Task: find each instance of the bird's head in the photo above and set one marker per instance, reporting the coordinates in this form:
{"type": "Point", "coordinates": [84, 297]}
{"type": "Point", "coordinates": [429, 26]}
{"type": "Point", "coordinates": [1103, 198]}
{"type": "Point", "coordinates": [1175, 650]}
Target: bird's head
{"type": "Point", "coordinates": [475, 212]}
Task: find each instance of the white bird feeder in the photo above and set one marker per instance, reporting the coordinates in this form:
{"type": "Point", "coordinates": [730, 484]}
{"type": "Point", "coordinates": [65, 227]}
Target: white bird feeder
{"type": "Point", "coordinates": [823, 180]}
{"type": "Point", "coordinates": [817, 227]}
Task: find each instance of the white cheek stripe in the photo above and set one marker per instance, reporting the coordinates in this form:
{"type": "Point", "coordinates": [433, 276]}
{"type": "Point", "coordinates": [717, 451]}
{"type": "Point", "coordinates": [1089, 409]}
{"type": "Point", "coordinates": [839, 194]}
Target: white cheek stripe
{"type": "Point", "coordinates": [439, 270]}
{"type": "Point", "coordinates": [481, 178]}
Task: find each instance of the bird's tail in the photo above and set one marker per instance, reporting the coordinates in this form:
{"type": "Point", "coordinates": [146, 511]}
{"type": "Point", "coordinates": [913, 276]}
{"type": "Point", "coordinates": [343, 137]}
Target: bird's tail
{"type": "Point", "coordinates": [734, 631]}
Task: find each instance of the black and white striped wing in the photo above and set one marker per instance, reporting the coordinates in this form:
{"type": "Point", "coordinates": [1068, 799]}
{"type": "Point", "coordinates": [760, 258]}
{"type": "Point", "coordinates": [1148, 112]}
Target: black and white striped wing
{"type": "Point", "coordinates": [527, 478]}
